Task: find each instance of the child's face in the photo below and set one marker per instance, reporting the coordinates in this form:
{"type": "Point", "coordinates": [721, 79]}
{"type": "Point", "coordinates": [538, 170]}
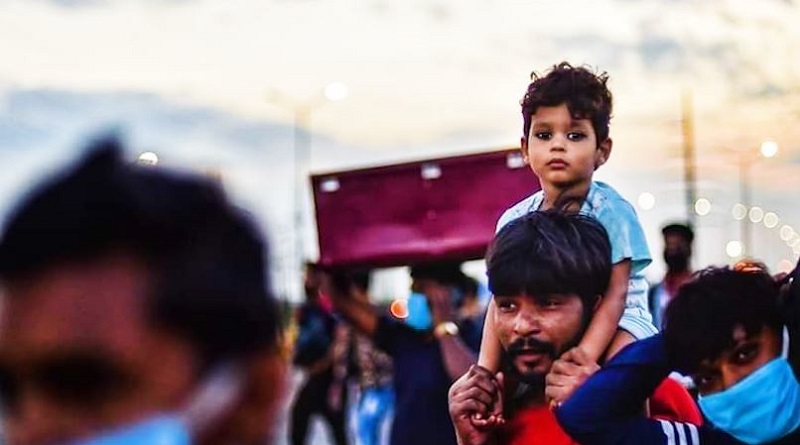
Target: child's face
{"type": "Point", "coordinates": [562, 151]}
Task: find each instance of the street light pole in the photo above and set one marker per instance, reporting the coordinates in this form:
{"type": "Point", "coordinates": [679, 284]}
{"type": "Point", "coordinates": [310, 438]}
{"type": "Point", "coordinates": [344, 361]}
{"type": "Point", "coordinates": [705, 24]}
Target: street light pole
{"type": "Point", "coordinates": [744, 195]}
{"type": "Point", "coordinates": [302, 111]}
{"type": "Point", "coordinates": [302, 155]}
{"type": "Point", "coordinates": [689, 170]}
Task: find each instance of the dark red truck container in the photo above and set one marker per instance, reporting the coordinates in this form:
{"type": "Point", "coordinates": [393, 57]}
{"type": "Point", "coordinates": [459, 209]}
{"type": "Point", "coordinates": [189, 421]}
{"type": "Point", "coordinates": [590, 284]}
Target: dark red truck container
{"type": "Point", "coordinates": [436, 209]}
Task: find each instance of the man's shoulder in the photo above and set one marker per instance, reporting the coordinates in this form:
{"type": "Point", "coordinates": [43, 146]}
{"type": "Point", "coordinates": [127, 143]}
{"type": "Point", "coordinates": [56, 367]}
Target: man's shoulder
{"type": "Point", "coordinates": [519, 209]}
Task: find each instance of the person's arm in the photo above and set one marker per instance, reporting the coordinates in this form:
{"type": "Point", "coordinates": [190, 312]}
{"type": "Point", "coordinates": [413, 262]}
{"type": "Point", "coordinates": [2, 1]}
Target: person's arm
{"type": "Point", "coordinates": [605, 319]}
{"type": "Point", "coordinates": [362, 316]}
{"type": "Point", "coordinates": [477, 391]}
{"type": "Point", "coordinates": [457, 356]}
{"type": "Point", "coordinates": [606, 409]}
{"type": "Point", "coordinates": [455, 353]}
{"type": "Point", "coordinates": [491, 349]}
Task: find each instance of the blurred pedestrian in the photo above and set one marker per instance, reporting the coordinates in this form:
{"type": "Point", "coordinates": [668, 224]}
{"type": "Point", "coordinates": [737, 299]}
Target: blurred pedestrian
{"type": "Point", "coordinates": [318, 353]}
{"type": "Point", "coordinates": [427, 348]}
{"type": "Point", "coordinates": [376, 400]}
{"type": "Point", "coordinates": [136, 310]}
{"type": "Point", "coordinates": [678, 239]}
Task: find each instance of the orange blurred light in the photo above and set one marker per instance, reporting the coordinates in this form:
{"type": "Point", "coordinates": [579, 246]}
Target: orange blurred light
{"type": "Point", "coordinates": [399, 308]}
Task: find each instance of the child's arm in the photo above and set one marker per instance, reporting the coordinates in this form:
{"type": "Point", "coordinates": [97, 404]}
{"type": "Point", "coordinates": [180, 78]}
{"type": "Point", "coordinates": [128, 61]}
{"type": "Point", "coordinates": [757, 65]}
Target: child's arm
{"type": "Point", "coordinates": [491, 349]}
{"type": "Point", "coordinates": [605, 319]}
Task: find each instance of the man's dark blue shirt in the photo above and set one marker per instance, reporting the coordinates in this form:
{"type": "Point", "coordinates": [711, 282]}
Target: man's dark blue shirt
{"type": "Point", "coordinates": [421, 383]}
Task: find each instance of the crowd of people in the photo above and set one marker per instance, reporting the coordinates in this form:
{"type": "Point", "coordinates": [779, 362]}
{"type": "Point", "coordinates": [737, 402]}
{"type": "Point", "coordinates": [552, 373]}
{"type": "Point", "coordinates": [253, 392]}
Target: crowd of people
{"type": "Point", "coordinates": [137, 309]}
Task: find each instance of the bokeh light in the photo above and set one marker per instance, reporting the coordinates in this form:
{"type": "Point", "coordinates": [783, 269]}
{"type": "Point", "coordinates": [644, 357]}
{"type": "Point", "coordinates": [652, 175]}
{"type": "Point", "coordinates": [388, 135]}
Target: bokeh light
{"type": "Point", "coordinates": [399, 308]}
{"type": "Point", "coordinates": [647, 201]}
{"type": "Point", "coordinates": [771, 220]}
{"type": "Point", "coordinates": [148, 158]}
{"type": "Point", "coordinates": [702, 206]}
{"type": "Point", "coordinates": [756, 214]}
{"type": "Point", "coordinates": [336, 91]}
{"type": "Point", "coordinates": [739, 212]}
{"type": "Point", "coordinates": [769, 149]}
{"type": "Point", "coordinates": [786, 232]}
{"type": "Point", "coordinates": [734, 249]}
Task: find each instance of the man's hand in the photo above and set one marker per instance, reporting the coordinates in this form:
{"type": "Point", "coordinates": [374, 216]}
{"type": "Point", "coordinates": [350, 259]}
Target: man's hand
{"type": "Point", "coordinates": [568, 373]}
{"type": "Point", "coordinates": [476, 392]}
{"type": "Point", "coordinates": [441, 304]}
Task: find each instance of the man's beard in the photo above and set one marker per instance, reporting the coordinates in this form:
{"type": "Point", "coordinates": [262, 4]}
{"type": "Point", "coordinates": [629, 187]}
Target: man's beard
{"type": "Point", "coordinates": [676, 262]}
{"type": "Point", "coordinates": [530, 344]}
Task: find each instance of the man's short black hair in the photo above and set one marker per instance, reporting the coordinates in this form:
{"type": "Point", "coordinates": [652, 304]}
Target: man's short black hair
{"type": "Point", "coordinates": [361, 279]}
{"type": "Point", "coordinates": [470, 286]}
{"type": "Point", "coordinates": [207, 261]}
{"type": "Point", "coordinates": [447, 273]}
{"type": "Point", "coordinates": [550, 252]}
{"type": "Point", "coordinates": [683, 230]}
{"type": "Point", "coordinates": [700, 320]}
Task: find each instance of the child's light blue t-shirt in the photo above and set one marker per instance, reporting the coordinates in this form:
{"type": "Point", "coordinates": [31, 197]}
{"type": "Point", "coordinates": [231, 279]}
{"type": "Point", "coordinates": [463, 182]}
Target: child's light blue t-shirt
{"type": "Point", "coordinates": [624, 231]}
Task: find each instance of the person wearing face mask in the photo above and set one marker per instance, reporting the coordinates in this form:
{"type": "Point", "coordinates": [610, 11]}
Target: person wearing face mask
{"type": "Point", "coordinates": [678, 239]}
{"type": "Point", "coordinates": [136, 310]}
{"type": "Point", "coordinates": [428, 349]}
{"type": "Point", "coordinates": [724, 329]}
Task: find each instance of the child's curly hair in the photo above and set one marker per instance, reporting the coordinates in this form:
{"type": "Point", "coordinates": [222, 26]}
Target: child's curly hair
{"type": "Point", "coordinates": [583, 91]}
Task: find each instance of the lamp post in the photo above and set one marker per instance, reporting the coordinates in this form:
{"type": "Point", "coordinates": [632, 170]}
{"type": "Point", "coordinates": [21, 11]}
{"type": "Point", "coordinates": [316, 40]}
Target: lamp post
{"type": "Point", "coordinates": [302, 111]}
{"type": "Point", "coordinates": [746, 160]}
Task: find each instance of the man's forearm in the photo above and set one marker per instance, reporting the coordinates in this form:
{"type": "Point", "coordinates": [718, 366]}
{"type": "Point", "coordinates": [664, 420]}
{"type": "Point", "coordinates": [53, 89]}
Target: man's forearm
{"type": "Point", "coordinates": [457, 356]}
{"type": "Point", "coordinates": [613, 396]}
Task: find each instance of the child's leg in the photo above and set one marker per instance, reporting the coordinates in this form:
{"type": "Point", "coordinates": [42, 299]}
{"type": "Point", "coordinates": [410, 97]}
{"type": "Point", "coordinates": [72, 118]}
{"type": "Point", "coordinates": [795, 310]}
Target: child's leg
{"type": "Point", "coordinates": [621, 339]}
{"type": "Point", "coordinates": [489, 358]}
{"type": "Point", "coordinates": [491, 350]}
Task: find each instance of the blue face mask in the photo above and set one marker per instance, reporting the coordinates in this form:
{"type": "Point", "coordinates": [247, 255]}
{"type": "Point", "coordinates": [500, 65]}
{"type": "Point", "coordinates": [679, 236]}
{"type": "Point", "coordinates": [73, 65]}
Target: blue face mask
{"type": "Point", "coordinates": [419, 313]}
{"type": "Point", "coordinates": [213, 399]}
{"type": "Point", "coordinates": [761, 408]}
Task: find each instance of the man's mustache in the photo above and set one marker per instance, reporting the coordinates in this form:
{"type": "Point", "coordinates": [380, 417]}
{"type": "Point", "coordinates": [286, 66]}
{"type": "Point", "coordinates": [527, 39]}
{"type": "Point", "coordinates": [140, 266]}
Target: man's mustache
{"type": "Point", "coordinates": [531, 345]}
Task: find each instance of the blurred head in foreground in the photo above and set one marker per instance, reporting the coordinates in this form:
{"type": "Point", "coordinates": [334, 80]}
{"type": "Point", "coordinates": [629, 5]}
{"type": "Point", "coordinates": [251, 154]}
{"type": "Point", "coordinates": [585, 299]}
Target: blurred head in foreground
{"type": "Point", "coordinates": [135, 301]}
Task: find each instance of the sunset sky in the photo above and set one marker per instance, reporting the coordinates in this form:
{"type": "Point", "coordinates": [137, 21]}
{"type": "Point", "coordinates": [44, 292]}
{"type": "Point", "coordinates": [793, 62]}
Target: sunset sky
{"type": "Point", "coordinates": [195, 81]}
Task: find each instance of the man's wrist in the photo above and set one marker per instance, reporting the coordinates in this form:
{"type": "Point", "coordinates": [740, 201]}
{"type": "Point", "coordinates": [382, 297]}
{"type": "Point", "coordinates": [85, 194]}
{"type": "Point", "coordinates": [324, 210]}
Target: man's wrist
{"type": "Point", "coordinates": [445, 329]}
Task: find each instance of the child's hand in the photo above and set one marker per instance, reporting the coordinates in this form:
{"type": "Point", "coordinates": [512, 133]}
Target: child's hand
{"type": "Point", "coordinates": [568, 373]}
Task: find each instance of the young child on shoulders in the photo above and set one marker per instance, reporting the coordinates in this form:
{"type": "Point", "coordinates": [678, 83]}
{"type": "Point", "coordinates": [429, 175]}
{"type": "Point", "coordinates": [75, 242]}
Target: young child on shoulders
{"type": "Point", "coordinates": [566, 116]}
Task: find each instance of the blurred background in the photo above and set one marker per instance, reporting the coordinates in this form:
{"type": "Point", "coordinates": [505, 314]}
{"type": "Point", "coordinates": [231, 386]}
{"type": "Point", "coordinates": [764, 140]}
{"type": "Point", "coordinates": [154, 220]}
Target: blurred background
{"type": "Point", "coordinates": [260, 92]}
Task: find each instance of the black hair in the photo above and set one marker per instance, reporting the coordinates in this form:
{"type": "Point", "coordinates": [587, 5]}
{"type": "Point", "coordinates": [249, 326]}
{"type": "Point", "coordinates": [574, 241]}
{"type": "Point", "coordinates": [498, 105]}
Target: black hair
{"type": "Point", "coordinates": [584, 92]}
{"type": "Point", "coordinates": [550, 252]}
{"type": "Point", "coordinates": [469, 286]}
{"type": "Point", "coordinates": [207, 262]}
{"type": "Point", "coordinates": [683, 230]}
{"type": "Point", "coordinates": [700, 320]}
{"type": "Point", "coordinates": [361, 279]}
{"type": "Point", "coordinates": [447, 273]}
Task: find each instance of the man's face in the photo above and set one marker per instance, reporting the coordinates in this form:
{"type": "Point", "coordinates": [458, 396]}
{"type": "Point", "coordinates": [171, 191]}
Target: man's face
{"type": "Point", "coordinates": [77, 355]}
{"type": "Point", "coordinates": [747, 354]}
{"type": "Point", "coordinates": [677, 252]}
{"type": "Point", "coordinates": [534, 331]}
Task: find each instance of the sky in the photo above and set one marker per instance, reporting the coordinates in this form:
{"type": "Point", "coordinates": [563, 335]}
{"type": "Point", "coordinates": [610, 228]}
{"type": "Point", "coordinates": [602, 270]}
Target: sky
{"type": "Point", "coordinates": [213, 85]}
